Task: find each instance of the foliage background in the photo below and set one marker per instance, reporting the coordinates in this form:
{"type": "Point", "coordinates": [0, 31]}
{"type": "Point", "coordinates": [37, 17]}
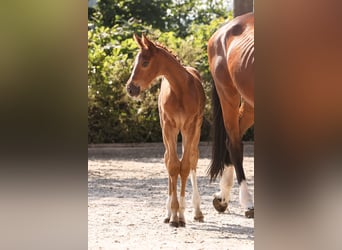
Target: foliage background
{"type": "Point", "coordinates": [183, 26]}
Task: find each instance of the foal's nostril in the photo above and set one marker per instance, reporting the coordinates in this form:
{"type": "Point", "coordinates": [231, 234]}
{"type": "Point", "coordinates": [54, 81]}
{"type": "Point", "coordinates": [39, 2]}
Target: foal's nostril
{"type": "Point", "coordinates": [133, 90]}
{"type": "Point", "coordinates": [129, 90]}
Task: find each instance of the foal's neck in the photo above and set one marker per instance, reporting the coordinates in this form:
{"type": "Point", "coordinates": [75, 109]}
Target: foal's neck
{"type": "Point", "coordinates": [175, 73]}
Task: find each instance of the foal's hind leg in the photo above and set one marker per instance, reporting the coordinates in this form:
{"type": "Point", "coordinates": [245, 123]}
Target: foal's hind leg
{"type": "Point", "coordinates": [196, 199]}
{"type": "Point", "coordinates": [190, 137]}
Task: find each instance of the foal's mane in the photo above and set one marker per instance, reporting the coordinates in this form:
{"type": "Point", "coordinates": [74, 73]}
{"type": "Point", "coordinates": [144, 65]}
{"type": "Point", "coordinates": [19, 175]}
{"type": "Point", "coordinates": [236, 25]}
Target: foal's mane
{"type": "Point", "coordinates": [159, 45]}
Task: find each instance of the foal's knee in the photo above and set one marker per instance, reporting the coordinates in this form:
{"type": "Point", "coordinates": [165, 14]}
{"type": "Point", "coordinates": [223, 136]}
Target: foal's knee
{"type": "Point", "coordinates": [173, 170]}
{"type": "Point", "coordinates": [173, 166]}
{"type": "Point", "coordinates": [185, 169]}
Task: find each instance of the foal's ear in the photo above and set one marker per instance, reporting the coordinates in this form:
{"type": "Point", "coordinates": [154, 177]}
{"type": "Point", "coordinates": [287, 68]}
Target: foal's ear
{"type": "Point", "coordinates": [138, 40]}
{"type": "Point", "coordinates": [147, 43]}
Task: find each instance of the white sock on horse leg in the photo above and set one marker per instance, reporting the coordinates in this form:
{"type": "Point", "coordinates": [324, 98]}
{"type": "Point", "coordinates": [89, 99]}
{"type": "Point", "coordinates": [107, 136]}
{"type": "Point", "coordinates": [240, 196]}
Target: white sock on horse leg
{"type": "Point", "coordinates": [182, 206]}
{"type": "Point", "coordinates": [226, 183]}
{"type": "Point", "coordinates": [196, 200]}
{"type": "Point", "coordinates": [246, 200]}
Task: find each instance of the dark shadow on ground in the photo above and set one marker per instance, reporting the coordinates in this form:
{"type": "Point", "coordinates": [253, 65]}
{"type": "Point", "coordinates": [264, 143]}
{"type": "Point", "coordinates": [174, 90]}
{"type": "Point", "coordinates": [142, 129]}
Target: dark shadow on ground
{"type": "Point", "coordinates": [153, 150]}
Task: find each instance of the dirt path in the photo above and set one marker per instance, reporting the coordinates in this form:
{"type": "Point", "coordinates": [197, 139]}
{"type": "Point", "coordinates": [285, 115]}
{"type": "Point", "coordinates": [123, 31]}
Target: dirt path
{"type": "Point", "coordinates": [127, 191]}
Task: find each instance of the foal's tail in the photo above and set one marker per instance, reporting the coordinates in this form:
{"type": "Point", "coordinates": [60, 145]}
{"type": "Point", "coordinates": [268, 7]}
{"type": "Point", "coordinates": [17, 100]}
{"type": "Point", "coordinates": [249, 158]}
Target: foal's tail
{"type": "Point", "coordinates": [220, 154]}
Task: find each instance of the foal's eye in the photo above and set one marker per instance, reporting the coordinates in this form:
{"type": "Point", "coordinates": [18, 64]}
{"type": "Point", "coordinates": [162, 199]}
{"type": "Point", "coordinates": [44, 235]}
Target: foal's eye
{"type": "Point", "coordinates": [145, 63]}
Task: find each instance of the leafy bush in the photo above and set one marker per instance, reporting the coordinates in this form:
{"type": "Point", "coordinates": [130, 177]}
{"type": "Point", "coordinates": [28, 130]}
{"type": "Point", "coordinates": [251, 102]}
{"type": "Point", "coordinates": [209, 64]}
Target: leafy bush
{"type": "Point", "coordinates": [112, 116]}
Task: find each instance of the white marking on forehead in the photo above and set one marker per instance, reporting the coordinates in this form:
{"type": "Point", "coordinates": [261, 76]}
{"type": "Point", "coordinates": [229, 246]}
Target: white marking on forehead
{"type": "Point", "coordinates": [136, 60]}
{"type": "Point", "coordinates": [134, 66]}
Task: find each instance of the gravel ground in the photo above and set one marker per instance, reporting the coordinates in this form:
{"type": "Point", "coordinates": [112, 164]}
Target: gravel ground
{"type": "Point", "coordinates": [127, 191]}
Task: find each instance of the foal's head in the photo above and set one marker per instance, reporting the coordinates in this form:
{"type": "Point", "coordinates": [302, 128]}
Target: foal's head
{"type": "Point", "coordinates": [145, 68]}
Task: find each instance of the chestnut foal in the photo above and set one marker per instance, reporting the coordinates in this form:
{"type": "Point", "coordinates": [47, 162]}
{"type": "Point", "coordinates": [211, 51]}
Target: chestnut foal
{"type": "Point", "coordinates": [181, 106]}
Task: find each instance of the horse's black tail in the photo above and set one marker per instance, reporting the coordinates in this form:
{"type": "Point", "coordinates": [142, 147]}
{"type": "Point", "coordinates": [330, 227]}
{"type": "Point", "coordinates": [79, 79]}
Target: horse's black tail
{"type": "Point", "coordinates": [220, 154]}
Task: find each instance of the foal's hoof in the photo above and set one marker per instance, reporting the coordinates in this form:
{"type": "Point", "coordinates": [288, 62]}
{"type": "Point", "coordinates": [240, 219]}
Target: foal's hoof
{"type": "Point", "coordinates": [199, 218]}
{"type": "Point", "coordinates": [174, 224]}
{"type": "Point", "coordinates": [250, 213]}
{"type": "Point", "coordinates": [181, 223]}
{"type": "Point", "coordinates": [219, 205]}
{"type": "Point", "coordinates": [166, 220]}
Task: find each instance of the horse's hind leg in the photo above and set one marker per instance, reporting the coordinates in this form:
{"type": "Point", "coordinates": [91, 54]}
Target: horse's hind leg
{"type": "Point", "coordinates": [246, 117]}
{"type": "Point", "coordinates": [246, 121]}
{"type": "Point", "coordinates": [232, 120]}
{"type": "Point", "coordinates": [229, 100]}
{"type": "Point", "coordinates": [221, 199]}
{"type": "Point", "coordinates": [236, 154]}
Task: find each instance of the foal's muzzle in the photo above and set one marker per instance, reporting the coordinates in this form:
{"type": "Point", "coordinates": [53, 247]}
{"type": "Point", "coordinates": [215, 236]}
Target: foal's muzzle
{"type": "Point", "coordinates": [132, 89]}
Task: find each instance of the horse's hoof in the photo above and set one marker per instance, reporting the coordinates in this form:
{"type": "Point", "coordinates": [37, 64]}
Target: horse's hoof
{"type": "Point", "coordinates": [219, 205]}
{"type": "Point", "coordinates": [249, 213]}
{"type": "Point", "coordinates": [166, 220]}
{"type": "Point", "coordinates": [174, 224]}
{"type": "Point", "coordinates": [181, 223]}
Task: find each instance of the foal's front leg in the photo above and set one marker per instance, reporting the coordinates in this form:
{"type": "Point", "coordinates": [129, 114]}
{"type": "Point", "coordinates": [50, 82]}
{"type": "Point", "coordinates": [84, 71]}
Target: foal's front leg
{"type": "Point", "coordinates": [173, 167]}
{"type": "Point", "coordinates": [172, 203]}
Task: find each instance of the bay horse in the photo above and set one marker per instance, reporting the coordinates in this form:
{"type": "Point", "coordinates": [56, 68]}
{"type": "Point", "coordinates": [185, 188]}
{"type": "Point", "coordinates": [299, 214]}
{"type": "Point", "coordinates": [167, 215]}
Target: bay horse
{"type": "Point", "coordinates": [181, 106]}
{"type": "Point", "coordinates": [231, 63]}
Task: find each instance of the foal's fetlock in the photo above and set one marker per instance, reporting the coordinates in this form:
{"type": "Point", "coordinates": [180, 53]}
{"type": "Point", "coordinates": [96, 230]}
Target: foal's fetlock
{"type": "Point", "coordinates": [199, 217]}
{"type": "Point", "coordinates": [181, 223]}
{"type": "Point", "coordinates": [218, 196]}
{"type": "Point", "coordinates": [174, 223]}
